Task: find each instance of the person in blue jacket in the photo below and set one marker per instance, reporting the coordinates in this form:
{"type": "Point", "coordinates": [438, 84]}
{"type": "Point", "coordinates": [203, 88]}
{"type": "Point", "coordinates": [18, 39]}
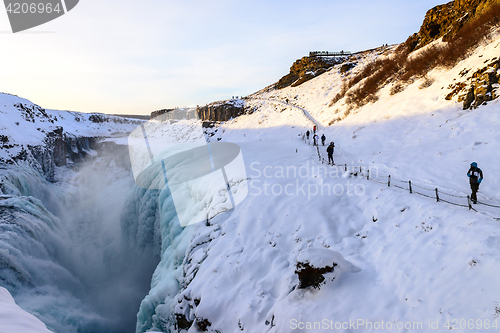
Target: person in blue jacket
{"type": "Point", "coordinates": [329, 150]}
{"type": "Point", "coordinates": [475, 178]}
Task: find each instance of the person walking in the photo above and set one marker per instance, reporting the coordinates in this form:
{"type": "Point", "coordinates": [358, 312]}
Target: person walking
{"type": "Point", "coordinates": [329, 150]}
{"type": "Point", "coordinates": [323, 138]}
{"type": "Point", "coordinates": [314, 129]}
{"type": "Point", "coordinates": [315, 137]}
{"type": "Point", "coordinates": [307, 135]}
{"type": "Point", "coordinates": [475, 178]}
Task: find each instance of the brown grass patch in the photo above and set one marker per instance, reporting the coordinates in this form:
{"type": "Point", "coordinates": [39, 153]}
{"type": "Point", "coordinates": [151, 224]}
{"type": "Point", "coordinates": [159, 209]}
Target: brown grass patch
{"type": "Point", "coordinates": [363, 87]}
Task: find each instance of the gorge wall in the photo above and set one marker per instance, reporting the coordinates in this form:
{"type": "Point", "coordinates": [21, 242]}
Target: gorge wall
{"type": "Point", "coordinates": [213, 112]}
{"type": "Point", "coordinates": [221, 111]}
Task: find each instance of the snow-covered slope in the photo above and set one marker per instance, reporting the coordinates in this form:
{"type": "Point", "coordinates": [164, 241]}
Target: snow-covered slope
{"type": "Point", "coordinates": [23, 123]}
{"type": "Point", "coordinates": [433, 137]}
{"type": "Point", "coordinates": [406, 262]}
{"type": "Point", "coordinates": [15, 320]}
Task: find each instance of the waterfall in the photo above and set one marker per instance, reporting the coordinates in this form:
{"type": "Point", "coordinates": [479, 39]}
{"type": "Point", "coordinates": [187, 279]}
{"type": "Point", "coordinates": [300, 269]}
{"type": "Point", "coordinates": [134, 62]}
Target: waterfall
{"type": "Point", "coordinates": [79, 253]}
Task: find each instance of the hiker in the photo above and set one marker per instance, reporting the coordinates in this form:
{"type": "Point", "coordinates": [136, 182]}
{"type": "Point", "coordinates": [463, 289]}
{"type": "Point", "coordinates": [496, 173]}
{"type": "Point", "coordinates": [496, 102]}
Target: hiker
{"type": "Point", "coordinates": [329, 150]}
{"type": "Point", "coordinates": [315, 137]}
{"type": "Point", "coordinates": [307, 135]}
{"type": "Point", "coordinates": [323, 138]}
{"type": "Point", "coordinates": [475, 178]}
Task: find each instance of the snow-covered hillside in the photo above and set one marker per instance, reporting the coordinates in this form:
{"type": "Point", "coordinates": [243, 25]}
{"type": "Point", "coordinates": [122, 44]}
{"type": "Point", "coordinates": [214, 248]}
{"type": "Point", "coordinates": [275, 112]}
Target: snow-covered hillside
{"type": "Point", "coordinates": [417, 127]}
{"type": "Point", "coordinates": [389, 260]}
{"type": "Point", "coordinates": [405, 262]}
{"type": "Point", "coordinates": [24, 123]}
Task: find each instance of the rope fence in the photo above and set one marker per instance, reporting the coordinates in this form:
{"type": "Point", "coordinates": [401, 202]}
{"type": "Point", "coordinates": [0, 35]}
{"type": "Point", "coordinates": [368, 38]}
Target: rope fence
{"type": "Point", "coordinates": [433, 193]}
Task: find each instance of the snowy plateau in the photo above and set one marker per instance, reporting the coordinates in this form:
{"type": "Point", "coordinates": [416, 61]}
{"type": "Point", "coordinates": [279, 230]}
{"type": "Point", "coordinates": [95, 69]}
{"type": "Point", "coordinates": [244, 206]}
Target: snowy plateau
{"type": "Point", "coordinates": [90, 251]}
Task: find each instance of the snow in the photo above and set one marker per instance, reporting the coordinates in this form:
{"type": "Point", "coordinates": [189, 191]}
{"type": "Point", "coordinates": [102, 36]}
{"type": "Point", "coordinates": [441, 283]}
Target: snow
{"type": "Point", "coordinates": [323, 257]}
{"type": "Point", "coordinates": [13, 319]}
{"type": "Point", "coordinates": [409, 260]}
{"type": "Point", "coordinates": [403, 259]}
{"type": "Point", "coordinates": [21, 129]}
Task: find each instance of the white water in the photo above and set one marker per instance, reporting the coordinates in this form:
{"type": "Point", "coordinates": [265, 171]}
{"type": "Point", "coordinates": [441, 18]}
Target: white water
{"type": "Point", "coordinates": [64, 256]}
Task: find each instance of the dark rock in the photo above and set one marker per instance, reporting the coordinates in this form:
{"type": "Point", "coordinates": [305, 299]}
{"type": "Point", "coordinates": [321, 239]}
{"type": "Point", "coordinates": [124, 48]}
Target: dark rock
{"type": "Point", "coordinates": [30, 112]}
{"type": "Point", "coordinates": [347, 67]}
{"type": "Point", "coordinates": [310, 276]}
{"type": "Point", "coordinates": [182, 323]}
{"type": "Point", "coordinates": [307, 68]}
{"type": "Point", "coordinates": [468, 98]}
{"type": "Point", "coordinates": [98, 118]}
{"type": "Point", "coordinates": [208, 124]}
{"type": "Point", "coordinates": [55, 142]}
{"type": "Point", "coordinates": [220, 111]}
{"type": "Point", "coordinates": [203, 324]}
{"type": "Point", "coordinates": [482, 87]}
{"type": "Point", "coordinates": [77, 148]}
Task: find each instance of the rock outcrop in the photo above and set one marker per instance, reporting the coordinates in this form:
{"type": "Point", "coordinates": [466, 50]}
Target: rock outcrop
{"type": "Point", "coordinates": [51, 154]}
{"type": "Point", "coordinates": [313, 264]}
{"type": "Point", "coordinates": [221, 111]}
{"type": "Point", "coordinates": [55, 151]}
{"type": "Point", "coordinates": [78, 147]}
{"type": "Point", "coordinates": [213, 112]}
{"type": "Point", "coordinates": [446, 20]}
{"type": "Point", "coordinates": [307, 68]}
{"type": "Point", "coordinates": [483, 86]}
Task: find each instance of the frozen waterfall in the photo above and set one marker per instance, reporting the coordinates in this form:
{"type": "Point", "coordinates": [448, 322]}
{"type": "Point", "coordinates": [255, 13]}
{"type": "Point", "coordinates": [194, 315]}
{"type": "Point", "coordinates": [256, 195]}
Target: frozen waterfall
{"type": "Point", "coordinates": [80, 253]}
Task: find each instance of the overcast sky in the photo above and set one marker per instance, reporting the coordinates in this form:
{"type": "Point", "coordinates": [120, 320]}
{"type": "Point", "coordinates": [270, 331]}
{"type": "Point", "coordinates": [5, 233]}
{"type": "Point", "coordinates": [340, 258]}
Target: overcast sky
{"type": "Point", "coordinates": [139, 56]}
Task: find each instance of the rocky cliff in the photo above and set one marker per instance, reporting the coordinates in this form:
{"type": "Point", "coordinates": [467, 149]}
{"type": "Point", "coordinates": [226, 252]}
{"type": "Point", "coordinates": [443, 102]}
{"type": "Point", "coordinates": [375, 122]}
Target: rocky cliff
{"type": "Point", "coordinates": [216, 111]}
{"type": "Point", "coordinates": [479, 87]}
{"type": "Point", "coordinates": [46, 139]}
{"type": "Point", "coordinates": [446, 20]}
{"type": "Point", "coordinates": [307, 68]}
{"type": "Point", "coordinates": [222, 111]}
{"type": "Point", "coordinates": [55, 151]}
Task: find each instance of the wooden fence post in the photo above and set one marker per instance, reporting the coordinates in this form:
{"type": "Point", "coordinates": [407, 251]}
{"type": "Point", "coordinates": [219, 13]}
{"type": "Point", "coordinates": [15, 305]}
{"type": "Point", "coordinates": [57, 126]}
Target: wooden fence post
{"type": "Point", "coordinates": [389, 182]}
{"type": "Point", "coordinates": [437, 195]}
{"type": "Point", "coordinates": [411, 191]}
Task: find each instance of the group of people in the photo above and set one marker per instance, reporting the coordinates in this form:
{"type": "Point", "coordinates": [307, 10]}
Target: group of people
{"type": "Point", "coordinates": [330, 147]}
{"type": "Point", "coordinates": [475, 174]}
{"type": "Point", "coordinates": [316, 137]}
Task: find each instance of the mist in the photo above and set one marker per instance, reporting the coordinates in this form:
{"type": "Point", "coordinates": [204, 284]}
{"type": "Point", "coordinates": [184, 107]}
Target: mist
{"type": "Point", "coordinates": [84, 272]}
